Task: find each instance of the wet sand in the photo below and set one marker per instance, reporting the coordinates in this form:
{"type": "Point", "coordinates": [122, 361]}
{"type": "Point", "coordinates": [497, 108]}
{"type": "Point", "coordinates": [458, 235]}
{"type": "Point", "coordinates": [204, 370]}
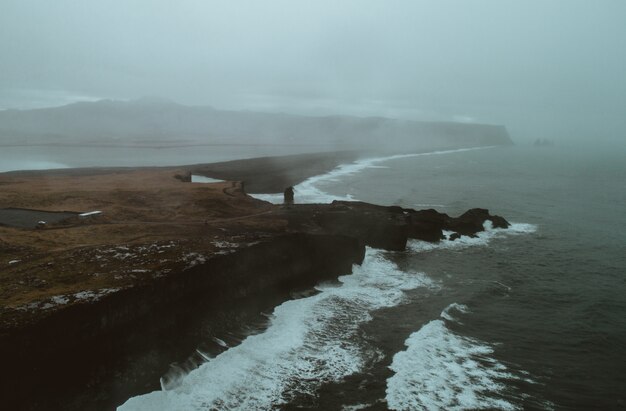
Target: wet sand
{"type": "Point", "coordinates": [274, 174]}
{"type": "Point", "coordinates": [260, 175]}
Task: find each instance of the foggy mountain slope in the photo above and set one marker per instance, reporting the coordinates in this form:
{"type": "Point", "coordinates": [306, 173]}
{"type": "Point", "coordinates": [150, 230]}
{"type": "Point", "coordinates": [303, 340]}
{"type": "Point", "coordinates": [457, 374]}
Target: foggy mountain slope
{"type": "Point", "coordinates": [150, 121]}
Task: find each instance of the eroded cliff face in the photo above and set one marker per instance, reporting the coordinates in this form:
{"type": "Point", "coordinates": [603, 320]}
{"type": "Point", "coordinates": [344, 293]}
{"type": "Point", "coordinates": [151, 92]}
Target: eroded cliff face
{"type": "Point", "coordinates": [95, 353]}
{"type": "Point", "coordinates": [387, 227]}
{"type": "Point", "coordinates": [55, 361]}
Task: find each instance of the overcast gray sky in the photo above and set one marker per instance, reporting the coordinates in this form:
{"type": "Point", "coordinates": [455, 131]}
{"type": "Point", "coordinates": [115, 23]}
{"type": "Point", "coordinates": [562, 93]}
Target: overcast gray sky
{"type": "Point", "coordinates": [544, 68]}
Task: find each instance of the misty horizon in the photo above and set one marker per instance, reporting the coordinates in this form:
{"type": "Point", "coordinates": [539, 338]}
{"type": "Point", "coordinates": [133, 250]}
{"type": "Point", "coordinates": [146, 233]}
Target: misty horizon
{"type": "Point", "coordinates": [545, 70]}
{"type": "Point", "coordinates": [320, 205]}
{"type": "Point", "coordinates": [155, 100]}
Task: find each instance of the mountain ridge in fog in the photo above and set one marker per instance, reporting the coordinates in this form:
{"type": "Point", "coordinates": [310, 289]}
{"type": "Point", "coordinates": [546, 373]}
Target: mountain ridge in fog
{"type": "Point", "coordinates": [153, 120]}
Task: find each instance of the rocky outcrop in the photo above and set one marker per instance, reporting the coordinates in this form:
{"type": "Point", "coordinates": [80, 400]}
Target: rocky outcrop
{"type": "Point", "coordinates": [426, 225]}
{"type": "Point", "coordinates": [372, 225]}
{"type": "Point", "coordinates": [56, 359]}
{"type": "Point", "coordinates": [388, 227]}
{"type": "Point", "coordinates": [429, 225]}
{"type": "Point", "coordinates": [184, 177]}
{"type": "Point", "coordinates": [472, 222]}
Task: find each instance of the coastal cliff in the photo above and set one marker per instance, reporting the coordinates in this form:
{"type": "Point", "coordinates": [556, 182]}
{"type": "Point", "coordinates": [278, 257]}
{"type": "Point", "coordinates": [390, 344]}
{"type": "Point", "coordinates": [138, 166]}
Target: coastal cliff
{"type": "Point", "coordinates": [94, 310]}
{"type": "Point", "coordinates": [80, 339]}
{"type": "Point", "coordinates": [84, 339]}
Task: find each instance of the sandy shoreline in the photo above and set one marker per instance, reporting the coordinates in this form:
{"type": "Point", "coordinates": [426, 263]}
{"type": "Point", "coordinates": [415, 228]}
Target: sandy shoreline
{"type": "Point", "coordinates": [260, 174]}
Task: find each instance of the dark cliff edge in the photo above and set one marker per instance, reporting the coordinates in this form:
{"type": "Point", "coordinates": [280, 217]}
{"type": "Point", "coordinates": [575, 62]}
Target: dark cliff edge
{"type": "Point", "coordinates": [95, 355]}
{"type": "Point", "coordinates": [51, 363]}
{"type": "Point", "coordinates": [388, 227]}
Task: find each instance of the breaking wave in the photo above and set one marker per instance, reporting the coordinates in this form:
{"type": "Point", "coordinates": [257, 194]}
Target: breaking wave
{"type": "Point", "coordinates": [482, 238]}
{"type": "Point", "coordinates": [315, 340]}
{"type": "Point", "coordinates": [443, 370]}
{"type": "Point", "coordinates": [310, 341]}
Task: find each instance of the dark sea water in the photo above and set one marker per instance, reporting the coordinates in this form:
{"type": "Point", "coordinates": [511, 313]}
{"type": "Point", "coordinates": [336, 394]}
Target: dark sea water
{"type": "Point", "coordinates": [533, 317]}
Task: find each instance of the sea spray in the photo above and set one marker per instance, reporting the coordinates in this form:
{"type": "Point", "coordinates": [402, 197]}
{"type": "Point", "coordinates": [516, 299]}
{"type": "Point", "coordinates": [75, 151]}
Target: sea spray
{"type": "Point", "coordinates": [309, 342]}
{"type": "Point", "coordinates": [315, 340]}
{"type": "Point", "coordinates": [482, 238]}
{"type": "Point", "coordinates": [443, 370]}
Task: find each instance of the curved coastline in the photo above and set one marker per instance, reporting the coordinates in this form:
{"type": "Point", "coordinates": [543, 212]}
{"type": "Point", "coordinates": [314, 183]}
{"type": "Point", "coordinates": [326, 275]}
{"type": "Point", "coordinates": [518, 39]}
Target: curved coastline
{"type": "Point", "coordinates": [335, 234]}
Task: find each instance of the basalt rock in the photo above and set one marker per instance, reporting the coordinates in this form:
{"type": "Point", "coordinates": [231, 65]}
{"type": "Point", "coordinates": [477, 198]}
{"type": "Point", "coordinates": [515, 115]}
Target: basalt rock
{"type": "Point", "coordinates": [387, 227]}
{"type": "Point", "coordinates": [426, 225]}
{"type": "Point", "coordinates": [49, 362]}
{"type": "Point", "coordinates": [372, 225]}
{"type": "Point", "coordinates": [321, 242]}
{"type": "Point", "coordinates": [472, 222]}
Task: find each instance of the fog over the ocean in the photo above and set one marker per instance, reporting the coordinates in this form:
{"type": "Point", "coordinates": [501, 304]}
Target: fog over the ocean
{"type": "Point", "coordinates": [546, 69]}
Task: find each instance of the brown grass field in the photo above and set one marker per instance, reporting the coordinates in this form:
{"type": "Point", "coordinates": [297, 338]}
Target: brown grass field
{"type": "Point", "coordinates": [152, 224]}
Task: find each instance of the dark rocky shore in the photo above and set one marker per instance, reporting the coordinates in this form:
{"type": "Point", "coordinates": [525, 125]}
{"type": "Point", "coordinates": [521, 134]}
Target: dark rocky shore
{"type": "Point", "coordinates": [75, 342]}
{"type": "Point", "coordinates": [56, 361]}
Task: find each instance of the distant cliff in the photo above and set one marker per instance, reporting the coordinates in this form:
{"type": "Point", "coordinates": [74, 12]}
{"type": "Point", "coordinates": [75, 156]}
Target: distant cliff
{"type": "Point", "coordinates": [152, 122]}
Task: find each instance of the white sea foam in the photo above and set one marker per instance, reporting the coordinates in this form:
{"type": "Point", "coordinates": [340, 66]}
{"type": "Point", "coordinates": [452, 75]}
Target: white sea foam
{"type": "Point", "coordinates": [309, 341]}
{"type": "Point", "coordinates": [482, 239]}
{"type": "Point", "coordinates": [429, 205]}
{"type": "Point", "coordinates": [309, 192]}
{"type": "Point", "coordinates": [355, 407]}
{"type": "Point", "coordinates": [446, 313]}
{"type": "Point", "coordinates": [443, 370]}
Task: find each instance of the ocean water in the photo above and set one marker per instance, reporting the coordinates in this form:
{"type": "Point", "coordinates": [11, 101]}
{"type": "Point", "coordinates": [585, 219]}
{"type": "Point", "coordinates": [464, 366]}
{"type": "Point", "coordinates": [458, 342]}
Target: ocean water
{"type": "Point", "coordinates": [531, 317]}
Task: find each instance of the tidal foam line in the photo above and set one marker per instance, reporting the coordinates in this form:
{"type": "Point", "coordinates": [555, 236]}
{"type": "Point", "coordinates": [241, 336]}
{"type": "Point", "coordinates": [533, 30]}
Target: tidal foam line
{"type": "Point", "coordinates": [309, 192]}
{"type": "Point", "coordinates": [442, 370]}
{"type": "Point", "coordinates": [482, 239]}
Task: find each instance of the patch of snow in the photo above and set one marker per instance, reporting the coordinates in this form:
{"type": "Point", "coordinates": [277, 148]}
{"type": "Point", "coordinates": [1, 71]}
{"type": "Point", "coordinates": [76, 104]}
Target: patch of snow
{"type": "Point", "coordinates": [224, 244]}
{"type": "Point", "coordinates": [60, 299]}
{"type": "Point", "coordinates": [194, 259]}
{"type": "Point", "coordinates": [224, 252]}
{"type": "Point", "coordinates": [121, 256]}
{"type": "Point", "coordinates": [84, 295]}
